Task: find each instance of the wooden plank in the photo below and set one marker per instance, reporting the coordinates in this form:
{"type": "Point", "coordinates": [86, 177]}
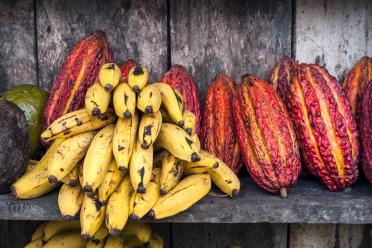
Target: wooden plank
{"type": "Point", "coordinates": [17, 49]}
{"type": "Point", "coordinates": [226, 235]}
{"type": "Point", "coordinates": [333, 33]}
{"type": "Point", "coordinates": [330, 235]}
{"type": "Point", "coordinates": [135, 29]}
{"type": "Point", "coordinates": [235, 37]}
{"type": "Point", "coordinates": [16, 234]}
{"type": "Point", "coordinates": [308, 202]}
{"type": "Point", "coordinates": [164, 230]}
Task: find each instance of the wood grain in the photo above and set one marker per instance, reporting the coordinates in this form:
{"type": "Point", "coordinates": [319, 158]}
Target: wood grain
{"type": "Point", "coordinates": [235, 37]}
{"type": "Point", "coordinates": [333, 33]}
{"type": "Point", "coordinates": [16, 234]}
{"type": "Point", "coordinates": [18, 48]}
{"type": "Point", "coordinates": [135, 29]}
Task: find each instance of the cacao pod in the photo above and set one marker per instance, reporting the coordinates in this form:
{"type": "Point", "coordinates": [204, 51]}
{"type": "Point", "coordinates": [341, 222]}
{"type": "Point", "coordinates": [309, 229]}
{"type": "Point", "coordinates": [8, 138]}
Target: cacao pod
{"type": "Point", "coordinates": [218, 128]}
{"type": "Point", "coordinates": [356, 81]}
{"type": "Point", "coordinates": [125, 68]}
{"type": "Point", "coordinates": [78, 73]}
{"type": "Point", "coordinates": [178, 78]}
{"type": "Point", "coordinates": [326, 130]}
{"type": "Point", "coordinates": [281, 76]}
{"type": "Point", "coordinates": [365, 129]}
{"type": "Point", "coordinates": [266, 136]}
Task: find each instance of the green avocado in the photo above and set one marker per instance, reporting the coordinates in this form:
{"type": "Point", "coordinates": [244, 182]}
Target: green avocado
{"type": "Point", "coordinates": [32, 100]}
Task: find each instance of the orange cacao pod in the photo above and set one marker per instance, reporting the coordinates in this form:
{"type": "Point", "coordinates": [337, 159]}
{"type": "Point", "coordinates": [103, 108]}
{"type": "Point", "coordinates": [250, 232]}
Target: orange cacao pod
{"type": "Point", "coordinates": [356, 81]}
{"type": "Point", "coordinates": [125, 68]}
{"type": "Point", "coordinates": [266, 136]}
{"type": "Point", "coordinates": [178, 78]}
{"type": "Point", "coordinates": [78, 73]}
{"type": "Point", "coordinates": [218, 127]}
{"type": "Point", "coordinates": [365, 128]}
{"type": "Point", "coordinates": [326, 130]}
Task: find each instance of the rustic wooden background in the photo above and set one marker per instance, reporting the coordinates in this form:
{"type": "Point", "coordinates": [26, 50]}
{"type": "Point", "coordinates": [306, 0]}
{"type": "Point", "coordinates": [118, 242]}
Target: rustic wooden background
{"type": "Point", "coordinates": [235, 37]}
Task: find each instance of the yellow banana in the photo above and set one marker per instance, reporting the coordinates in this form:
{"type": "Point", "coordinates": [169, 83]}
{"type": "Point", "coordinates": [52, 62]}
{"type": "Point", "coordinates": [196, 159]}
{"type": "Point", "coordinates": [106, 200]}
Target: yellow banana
{"type": "Point", "coordinates": [98, 159]}
{"type": "Point", "coordinates": [165, 116]}
{"type": "Point", "coordinates": [77, 122]}
{"type": "Point", "coordinates": [190, 122]}
{"type": "Point", "coordinates": [117, 210]}
{"type": "Point", "coordinates": [149, 99]}
{"type": "Point", "coordinates": [109, 76]}
{"type": "Point", "coordinates": [35, 183]}
{"type": "Point", "coordinates": [159, 158]}
{"type": "Point", "coordinates": [178, 142]}
{"type": "Point", "coordinates": [206, 163]}
{"type": "Point", "coordinates": [225, 179]}
{"type": "Point", "coordinates": [149, 128]}
{"type": "Point", "coordinates": [172, 102]}
{"type": "Point", "coordinates": [171, 172]}
{"type": "Point", "coordinates": [54, 227]}
{"type": "Point", "coordinates": [180, 100]}
{"type": "Point", "coordinates": [69, 201]}
{"type": "Point", "coordinates": [92, 215]}
{"type": "Point", "coordinates": [31, 164]}
{"type": "Point", "coordinates": [97, 100]}
{"type": "Point", "coordinates": [66, 239]}
{"type": "Point", "coordinates": [72, 178]}
{"type": "Point", "coordinates": [124, 100]}
{"type": "Point", "coordinates": [81, 170]}
{"type": "Point", "coordinates": [98, 239]}
{"type": "Point", "coordinates": [111, 181]}
{"type": "Point", "coordinates": [124, 139]}
{"type": "Point", "coordinates": [156, 241]}
{"type": "Point", "coordinates": [133, 242]}
{"type": "Point", "coordinates": [195, 138]}
{"type": "Point", "coordinates": [114, 242]}
{"type": "Point", "coordinates": [139, 229]}
{"type": "Point", "coordinates": [67, 155]}
{"type": "Point", "coordinates": [137, 78]}
{"type": "Point", "coordinates": [140, 167]}
{"type": "Point", "coordinates": [186, 193]}
{"type": "Point", "coordinates": [37, 243]}
{"type": "Point", "coordinates": [39, 231]}
{"type": "Point", "coordinates": [141, 204]}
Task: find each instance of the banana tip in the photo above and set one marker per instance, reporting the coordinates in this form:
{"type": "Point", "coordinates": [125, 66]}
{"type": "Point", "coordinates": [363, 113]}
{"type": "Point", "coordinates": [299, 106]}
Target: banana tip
{"type": "Point", "coordinates": [52, 179]}
{"type": "Point", "coordinates": [96, 111]}
{"type": "Point", "coordinates": [145, 146]}
{"type": "Point", "coordinates": [88, 189]}
{"type": "Point", "coordinates": [85, 236]}
{"type": "Point", "coordinates": [108, 87]}
{"type": "Point", "coordinates": [141, 190]}
{"type": "Point", "coordinates": [149, 110]}
{"type": "Point", "coordinates": [136, 89]}
{"type": "Point", "coordinates": [115, 232]}
{"type": "Point", "coordinates": [188, 130]}
{"type": "Point", "coordinates": [133, 217]}
{"type": "Point", "coordinates": [127, 115]}
{"type": "Point", "coordinates": [67, 217]}
{"type": "Point", "coordinates": [215, 165]}
{"type": "Point", "coordinates": [181, 123]}
{"type": "Point", "coordinates": [123, 169]}
{"type": "Point", "coordinates": [162, 192]}
{"type": "Point", "coordinates": [235, 193]}
{"type": "Point", "coordinates": [152, 214]}
{"type": "Point", "coordinates": [195, 157]}
{"type": "Point", "coordinates": [73, 183]}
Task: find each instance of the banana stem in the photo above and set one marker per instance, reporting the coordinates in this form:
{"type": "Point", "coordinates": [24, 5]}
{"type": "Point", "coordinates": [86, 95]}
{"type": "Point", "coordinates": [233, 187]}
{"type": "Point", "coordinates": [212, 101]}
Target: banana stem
{"type": "Point", "coordinates": [283, 192]}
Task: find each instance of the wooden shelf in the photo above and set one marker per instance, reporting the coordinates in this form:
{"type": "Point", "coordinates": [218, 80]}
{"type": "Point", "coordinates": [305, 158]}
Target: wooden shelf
{"type": "Point", "coordinates": [309, 202]}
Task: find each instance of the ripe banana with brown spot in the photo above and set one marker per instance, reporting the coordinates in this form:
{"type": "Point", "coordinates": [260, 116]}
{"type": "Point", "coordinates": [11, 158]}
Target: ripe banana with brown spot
{"type": "Point", "coordinates": [225, 179]}
{"type": "Point", "coordinates": [98, 239]}
{"type": "Point", "coordinates": [72, 178]}
{"type": "Point", "coordinates": [39, 231]}
{"type": "Point", "coordinates": [149, 128]}
{"type": "Point", "coordinates": [141, 204]}
{"type": "Point", "coordinates": [137, 78]}
{"type": "Point", "coordinates": [114, 242]}
{"type": "Point", "coordinates": [92, 215]}
{"type": "Point", "coordinates": [109, 76]}
{"type": "Point", "coordinates": [207, 162]}
{"type": "Point", "coordinates": [117, 210]}
{"type": "Point", "coordinates": [140, 167]}
{"type": "Point", "coordinates": [69, 201]}
{"type": "Point", "coordinates": [159, 157]}
{"type": "Point", "coordinates": [171, 172]}
{"type": "Point", "coordinates": [139, 229]}
{"type": "Point", "coordinates": [149, 99]}
{"type": "Point", "coordinates": [178, 142]}
{"type": "Point", "coordinates": [111, 181]}
{"type": "Point", "coordinates": [66, 239]}
{"type": "Point", "coordinates": [125, 136]}
{"type": "Point", "coordinates": [54, 227]}
{"type": "Point", "coordinates": [67, 155]}
{"type": "Point", "coordinates": [37, 243]}
{"type": "Point", "coordinates": [124, 100]}
{"type": "Point", "coordinates": [172, 102]}
{"type": "Point", "coordinates": [186, 193]}
{"type": "Point", "coordinates": [31, 164]}
{"type": "Point", "coordinates": [190, 122]}
{"type": "Point", "coordinates": [97, 100]}
{"type": "Point", "coordinates": [98, 159]}
{"type": "Point", "coordinates": [76, 122]}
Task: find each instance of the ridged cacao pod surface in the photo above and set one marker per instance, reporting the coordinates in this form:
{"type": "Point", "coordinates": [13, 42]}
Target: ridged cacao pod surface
{"type": "Point", "coordinates": [326, 130]}
{"type": "Point", "coordinates": [266, 136]}
{"type": "Point", "coordinates": [365, 129]}
{"type": "Point", "coordinates": [218, 135]}
{"type": "Point", "coordinates": [178, 78]}
{"type": "Point", "coordinates": [281, 76]}
{"type": "Point", "coordinates": [125, 68]}
{"type": "Point", "coordinates": [79, 71]}
{"type": "Point", "coordinates": [356, 81]}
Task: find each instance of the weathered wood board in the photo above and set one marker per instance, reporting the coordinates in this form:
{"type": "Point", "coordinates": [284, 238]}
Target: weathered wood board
{"type": "Point", "coordinates": [18, 43]}
{"type": "Point", "coordinates": [235, 37]}
{"type": "Point", "coordinates": [222, 235]}
{"type": "Point", "coordinates": [333, 33]}
{"type": "Point", "coordinates": [135, 29]}
{"type": "Point", "coordinates": [16, 234]}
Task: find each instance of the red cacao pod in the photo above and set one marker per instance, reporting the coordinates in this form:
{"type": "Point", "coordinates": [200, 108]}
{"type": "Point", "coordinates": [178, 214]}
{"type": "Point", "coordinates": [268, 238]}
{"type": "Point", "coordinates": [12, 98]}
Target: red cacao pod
{"type": "Point", "coordinates": [178, 78]}
{"type": "Point", "coordinates": [266, 136]}
{"type": "Point", "coordinates": [365, 129]}
{"type": "Point", "coordinates": [218, 135]}
{"type": "Point", "coordinates": [326, 130]}
{"type": "Point", "coordinates": [356, 81]}
{"type": "Point", "coordinates": [281, 76]}
{"type": "Point", "coordinates": [125, 68]}
{"type": "Point", "coordinates": [78, 73]}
